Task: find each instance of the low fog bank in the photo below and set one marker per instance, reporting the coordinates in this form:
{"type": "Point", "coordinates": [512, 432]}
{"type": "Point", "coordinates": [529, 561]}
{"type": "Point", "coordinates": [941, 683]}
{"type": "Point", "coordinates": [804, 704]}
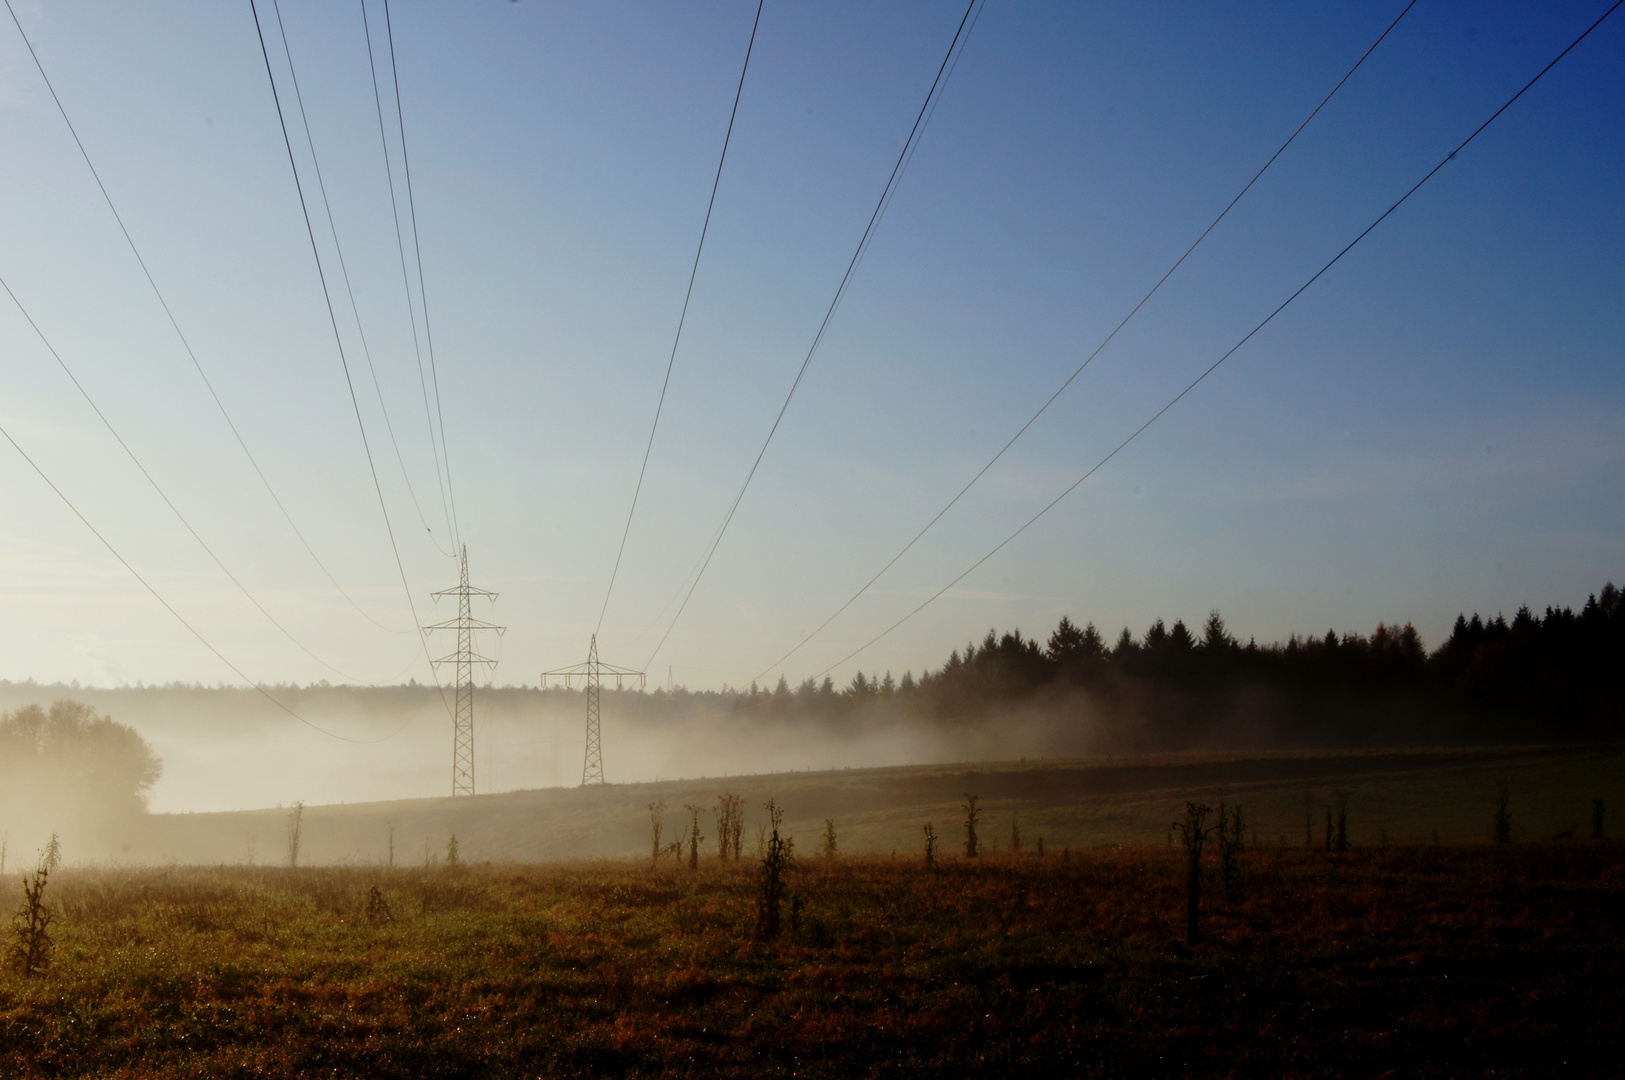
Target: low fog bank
{"type": "Point", "coordinates": [226, 749]}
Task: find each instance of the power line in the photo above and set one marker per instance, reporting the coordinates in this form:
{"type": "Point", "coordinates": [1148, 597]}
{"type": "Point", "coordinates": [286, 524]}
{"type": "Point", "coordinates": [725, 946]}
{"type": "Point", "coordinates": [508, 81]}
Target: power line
{"type": "Point", "coordinates": [164, 495]}
{"type": "Point", "coordinates": [681, 318]}
{"type": "Point", "coordinates": [1107, 340]}
{"type": "Point", "coordinates": [344, 270]}
{"type": "Point", "coordinates": [423, 292]}
{"type": "Point", "coordinates": [178, 616]}
{"type": "Point", "coordinates": [338, 340]}
{"type": "Point", "coordinates": [840, 291]}
{"type": "Point", "coordinates": [400, 247]}
{"type": "Point", "coordinates": [178, 333]}
{"type": "Point", "coordinates": [1229, 352]}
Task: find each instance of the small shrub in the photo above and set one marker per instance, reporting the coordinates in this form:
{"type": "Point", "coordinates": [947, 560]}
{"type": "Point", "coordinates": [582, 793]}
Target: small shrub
{"type": "Point", "coordinates": [972, 846]}
{"type": "Point", "coordinates": [1015, 834]}
{"type": "Point", "coordinates": [451, 850]}
{"type": "Point", "coordinates": [829, 838]}
{"type": "Point", "coordinates": [930, 847]}
{"type": "Point", "coordinates": [1193, 833]}
{"type": "Point", "coordinates": [53, 852]}
{"type": "Point", "coordinates": [378, 908]}
{"type": "Point", "coordinates": [32, 946]}
{"type": "Point", "coordinates": [777, 858]}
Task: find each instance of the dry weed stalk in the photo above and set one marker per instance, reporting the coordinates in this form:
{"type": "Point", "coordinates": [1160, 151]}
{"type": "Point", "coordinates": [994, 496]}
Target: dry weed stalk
{"type": "Point", "coordinates": [31, 926]}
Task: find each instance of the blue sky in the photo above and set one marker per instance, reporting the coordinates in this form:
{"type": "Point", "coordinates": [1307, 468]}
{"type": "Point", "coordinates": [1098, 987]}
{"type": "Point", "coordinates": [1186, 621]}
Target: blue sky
{"type": "Point", "coordinates": [1434, 427]}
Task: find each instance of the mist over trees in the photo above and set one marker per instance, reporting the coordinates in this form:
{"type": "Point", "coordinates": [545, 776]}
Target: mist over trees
{"type": "Point", "coordinates": [1555, 676]}
{"type": "Point", "coordinates": [67, 769]}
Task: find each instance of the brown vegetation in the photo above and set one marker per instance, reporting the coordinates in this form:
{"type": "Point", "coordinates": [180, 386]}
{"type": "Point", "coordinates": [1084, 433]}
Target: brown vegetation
{"type": "Point", "coordinates": [1410, 959]}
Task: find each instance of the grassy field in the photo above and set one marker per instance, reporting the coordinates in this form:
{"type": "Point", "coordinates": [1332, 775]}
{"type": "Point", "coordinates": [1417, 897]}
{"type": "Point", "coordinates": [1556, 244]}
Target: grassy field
{"type": "Point", "coordinates": [1425, 950]}
{"type": "Point", "coordinates": [1406, 795]}
{"type": "Point", "coordinates": [1413, 960]}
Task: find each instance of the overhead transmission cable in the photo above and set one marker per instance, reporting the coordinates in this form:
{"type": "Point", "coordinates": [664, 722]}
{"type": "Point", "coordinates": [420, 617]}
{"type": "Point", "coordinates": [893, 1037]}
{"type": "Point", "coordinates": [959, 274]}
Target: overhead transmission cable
{"type": "Point", "coordinates": [423, 292]}
{"type": "Point", "coordinates": [406, 282]}
{"type": "Point", "coordinates": [344, 362]}
{"type": "Point", "coordinates": [182, 336]}
{"type": "Point", "coordinates": [1231, 351]}
{"type": "Point", "coordinates": [163, 494]}
{"type": "Point", "coordinates": [682, 317]}
{"type": "Point", "coordinates": [1107, 340]}
{"type": "Point", "coordinates": [891, 181]}
{"type": "Point", "coordinates": [156, 595]}
{"type": "Point", "coordinates": [344, 271]}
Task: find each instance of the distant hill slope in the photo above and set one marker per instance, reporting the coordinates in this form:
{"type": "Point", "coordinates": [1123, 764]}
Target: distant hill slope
{"type": "Point", "coordinates": [1405, 795]}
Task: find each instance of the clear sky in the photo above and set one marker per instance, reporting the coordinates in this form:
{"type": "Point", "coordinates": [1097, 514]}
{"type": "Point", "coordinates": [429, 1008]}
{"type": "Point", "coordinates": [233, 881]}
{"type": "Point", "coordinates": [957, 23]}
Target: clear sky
{"type": "Point", "coordinates": [1435, 426]}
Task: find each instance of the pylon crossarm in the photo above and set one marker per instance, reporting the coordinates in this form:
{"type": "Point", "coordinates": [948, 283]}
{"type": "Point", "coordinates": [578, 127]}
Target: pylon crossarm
{"type": "Point", "coordinates": [464, 591]}
{"type": "Point", "coordinates": [465, 658]}
{"type": "Point", "coordinates": [465, 624]}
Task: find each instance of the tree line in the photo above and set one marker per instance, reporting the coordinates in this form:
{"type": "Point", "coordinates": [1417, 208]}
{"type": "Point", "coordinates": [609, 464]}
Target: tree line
{"type": "Point", "coordinates": [1549, 676]}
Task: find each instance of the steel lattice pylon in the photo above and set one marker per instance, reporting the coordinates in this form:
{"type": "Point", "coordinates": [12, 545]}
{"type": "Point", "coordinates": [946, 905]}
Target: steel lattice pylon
{"type": "Point", "coordinates": [593, 671]}
{"type": "Point", "coordinates": [464, 659]}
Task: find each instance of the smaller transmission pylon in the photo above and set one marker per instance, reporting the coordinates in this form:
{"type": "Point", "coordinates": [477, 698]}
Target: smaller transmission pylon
{"type": "Point", "coordinates": [593, 671]}
{"type": "Point", "coordinates": [465, 659]}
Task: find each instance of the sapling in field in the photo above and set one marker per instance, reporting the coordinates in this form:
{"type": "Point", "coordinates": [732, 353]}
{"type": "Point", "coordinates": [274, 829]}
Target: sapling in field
{"type": "Point", "coordinates": [656, 809]}
{"type": "Point", "coordinates": [930, 847]}
{"type": "Point", "coordinates": [694, 837]}
{"type": "Point", "coordinates": [829, 838]}
{"type": "Point", "coordinates": [972, 847]}
{"type": "Point", "coordinates": [1193, 833]}
{"type": "Point", "coordinates": [1341, 843]}
{"type": "Point", "coordinates": [451, 851]}
{"type": "Point", "coordinates": [31, 926]}
{"type": "Point", "coordinates": [777, 858]}
{"type": "Point", "coordinates": [730, 823]}
{"type": "Point", "coordinates": [1015, 834]}
{"type": "Point", "coordinates": [296, 825]}
{"type": "Point", "coordinates": [53, 852]}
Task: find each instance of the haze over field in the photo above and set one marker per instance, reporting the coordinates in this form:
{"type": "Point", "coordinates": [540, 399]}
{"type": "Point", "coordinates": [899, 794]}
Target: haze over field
{"type": "Point", "coordinates": [744, 322]}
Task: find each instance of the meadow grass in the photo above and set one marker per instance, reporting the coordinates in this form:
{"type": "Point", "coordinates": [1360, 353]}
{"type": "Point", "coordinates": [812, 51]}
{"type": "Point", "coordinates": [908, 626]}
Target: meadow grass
{"type": "Point", "coordinates": [1412, 959]}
